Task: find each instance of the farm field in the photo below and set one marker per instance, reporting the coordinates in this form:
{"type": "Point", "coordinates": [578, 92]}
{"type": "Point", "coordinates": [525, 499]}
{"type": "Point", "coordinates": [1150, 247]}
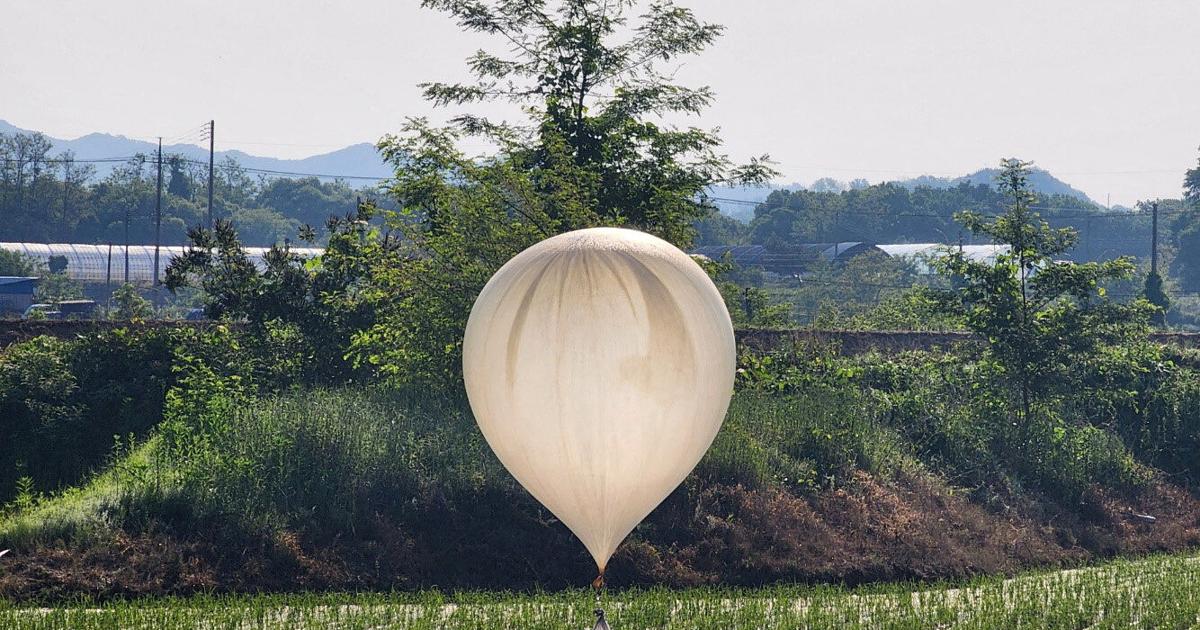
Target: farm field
{"type": "Point", "coordinates": [1156, 592]}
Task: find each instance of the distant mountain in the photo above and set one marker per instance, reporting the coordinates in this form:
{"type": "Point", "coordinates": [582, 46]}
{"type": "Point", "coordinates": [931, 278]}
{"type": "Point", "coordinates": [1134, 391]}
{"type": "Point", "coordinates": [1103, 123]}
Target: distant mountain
{"type": "Point", "coordinates": [738, 201]}
{"type": "Point", "coordinates": [364, 161]}
{"type": "Point", "coordinates": [360, 160]}
{"type": "Point", "coordinates": [1041, 181]}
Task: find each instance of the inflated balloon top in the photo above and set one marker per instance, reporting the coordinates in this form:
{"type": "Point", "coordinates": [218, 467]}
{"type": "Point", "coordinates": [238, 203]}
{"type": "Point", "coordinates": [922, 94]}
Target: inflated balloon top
{"type": "Point", "coordinates": [599, 365]}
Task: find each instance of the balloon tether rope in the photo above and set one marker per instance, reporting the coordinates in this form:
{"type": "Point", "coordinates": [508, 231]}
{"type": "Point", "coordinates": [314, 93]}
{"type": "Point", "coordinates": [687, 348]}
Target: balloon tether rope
{"type": "Point", "coordinates": [598, 588]}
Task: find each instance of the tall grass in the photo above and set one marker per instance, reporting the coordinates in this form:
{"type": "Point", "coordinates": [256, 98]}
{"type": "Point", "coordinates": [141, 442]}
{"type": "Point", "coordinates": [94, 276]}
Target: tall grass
{"type": "Point", "coordinates": [330, 459]}
{"type": "Point", "coordinates": [815, 438]}
{"type": "Point", "coordinates": [321, 458]}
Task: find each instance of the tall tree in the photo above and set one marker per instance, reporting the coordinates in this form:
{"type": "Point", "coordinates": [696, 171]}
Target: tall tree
{"type": "Point", "coordinates": [594, 93]}
{"type": "Point", "coordinates": [1186, 228]}
{"type": "Point", "coordinates": [237, 188]}
{"type": "Point", "coordinates": [23, 172]}
{"type": "Point", "coordinates": [180, 183]}
{"type": "Point", "coordinates": [592, 149]}
{"type": "Point", "coordinates": [1043, 317]}
{"type": "Point", "coordinates": [1191, 185]}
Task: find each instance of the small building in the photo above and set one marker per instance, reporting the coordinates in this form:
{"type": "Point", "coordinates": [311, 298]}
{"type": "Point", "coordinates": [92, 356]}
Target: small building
{"type": "Point", "coordinates": [16, 293]}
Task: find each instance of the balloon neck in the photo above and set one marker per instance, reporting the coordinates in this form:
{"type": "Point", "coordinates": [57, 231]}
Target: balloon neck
{"type": "Point", "coordinates": [598, 583]}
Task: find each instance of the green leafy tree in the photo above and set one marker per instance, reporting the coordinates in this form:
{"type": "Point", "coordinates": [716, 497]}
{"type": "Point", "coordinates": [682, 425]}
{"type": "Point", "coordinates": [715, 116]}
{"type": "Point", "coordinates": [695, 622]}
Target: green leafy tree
{"type": "Point", "coordinates": [718, 229]}
{"type": "Point", "coordinates": [1155, 294]}
{"type": "Point", "coordinates": [833, 292]}
{"type": "Point", "coordinates": [217, 263]}
{"type": "Point", "coordinates": [129, 304]}
{"type": "Point", "coordinates": [752, 307]}
{"type": "Point", "coordinates": [236, 187]}
{"type": "Point", "coordinates": [590, 151]}
{"type": "Point", "coordinates": [179, 184]}
{"type": "Point", "coordinates": [1043, 318]}
{"type": "Point", "coordinates": [262, 226]}
{"type": "Point", "coordinates": [125, 203]}
{"type": "Point", "coordinates": [56, 287]}
{"type": "Point", "coordinates": [307, 200]}
{"type": "Point", "coordinates": [1186, 264]}
{"type": "Point", "coordinates": [26, 184]}
{"type": "Point", "coordinates": [1191, 185]}
{"type": "Point", "coordinates": [314, 305]}
{"type": "Point", "coordinates": [17, 264]}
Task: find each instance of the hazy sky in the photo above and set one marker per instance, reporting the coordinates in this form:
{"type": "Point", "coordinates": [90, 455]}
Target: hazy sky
{"type": "Point", "coordinates": [1103, 93]}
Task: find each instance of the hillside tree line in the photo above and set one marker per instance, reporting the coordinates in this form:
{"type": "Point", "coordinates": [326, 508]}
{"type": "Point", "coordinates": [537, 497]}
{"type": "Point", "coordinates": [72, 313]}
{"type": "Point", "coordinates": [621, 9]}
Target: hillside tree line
{"type": "Point", "coordinates": [52, 197]}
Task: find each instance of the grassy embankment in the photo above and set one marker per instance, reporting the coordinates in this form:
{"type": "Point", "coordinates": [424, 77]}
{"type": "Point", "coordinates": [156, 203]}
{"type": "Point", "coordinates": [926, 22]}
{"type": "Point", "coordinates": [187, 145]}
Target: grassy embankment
{"type": "Point", "coordinates": [828, 469]}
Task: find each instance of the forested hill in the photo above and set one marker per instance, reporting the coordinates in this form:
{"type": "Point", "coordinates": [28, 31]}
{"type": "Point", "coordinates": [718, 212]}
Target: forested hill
{"type": "Point", "coordinates": [49, 195]}
{"type": "Point", "coordinates": [1040, 180]}
{"type": "Point", "coordinates": [895, 213]}
{"type": "Point", "coordinates": [357, 159]}
{"type": "Point", "coordinates": [733, 200]}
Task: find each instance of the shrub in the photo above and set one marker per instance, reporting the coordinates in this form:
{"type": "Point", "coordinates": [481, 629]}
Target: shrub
{"type": "Point", "coordinates": [63, 401]}
{"type": "Point", "coordinates": [952, 412]}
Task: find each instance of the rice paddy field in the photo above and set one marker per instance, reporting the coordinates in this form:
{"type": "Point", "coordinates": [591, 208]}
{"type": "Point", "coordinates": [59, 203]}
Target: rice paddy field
{"type": "Point", "coordinates": [1157, 592]}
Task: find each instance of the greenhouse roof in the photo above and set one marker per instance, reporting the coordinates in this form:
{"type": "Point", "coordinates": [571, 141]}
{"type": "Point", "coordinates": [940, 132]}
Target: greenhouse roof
{"type": "Point", "coordinates": [98, 264]}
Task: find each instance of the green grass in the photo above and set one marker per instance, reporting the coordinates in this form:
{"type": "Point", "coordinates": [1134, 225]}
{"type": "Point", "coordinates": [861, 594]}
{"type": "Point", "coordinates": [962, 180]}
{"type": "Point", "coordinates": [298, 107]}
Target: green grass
{"type": "Point", "coordinates": [1156, 592]}
{"type": "Point", "coordinates": [333, 459]}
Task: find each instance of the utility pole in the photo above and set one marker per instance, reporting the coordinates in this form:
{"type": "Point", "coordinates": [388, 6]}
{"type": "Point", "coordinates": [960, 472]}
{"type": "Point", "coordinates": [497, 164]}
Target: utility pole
{"type": "Point", "coordinates": [66, 188]}
{"type": "Point", "coordinates": [158, 212]}
{"type": "Point", "coordinates": [126, 243]}
{"type": "Point", "coordinates": [1154, 239]}
{"type": "Point", "coordinates": [108, 276]}
{"type": "Point", "coordinates": [212, 127]}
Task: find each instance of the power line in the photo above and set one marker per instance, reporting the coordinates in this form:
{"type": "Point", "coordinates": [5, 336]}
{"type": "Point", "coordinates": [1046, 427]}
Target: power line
{"type": "Point", "coordinates": [958, 174]}
{"type": "Point", "coordinates": [1076, 213]}
{"type": "Point", "coordinates": [294, 173]}
{"type": "Point", "coordinates": [77, 160]}
{"type": "Point", "coordinates": [184, 160]}
{"type": "Point", "coordinates": [280, 144]}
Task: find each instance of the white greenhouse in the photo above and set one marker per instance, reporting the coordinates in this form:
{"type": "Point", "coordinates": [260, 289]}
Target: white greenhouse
{"type": "Point", "coordinates": [105, 264]}
{"type": "Point", "coordinates": [922, 254]}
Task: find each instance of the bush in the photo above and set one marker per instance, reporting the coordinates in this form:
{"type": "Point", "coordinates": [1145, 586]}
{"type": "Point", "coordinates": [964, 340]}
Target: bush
{"type": "Point", "coordinates": [129, 304]}
{"type": "Point", "coordinates": [63, 402]}
{"type": "Point", "coordinates": [1160, 420]}
{"type": "Point", "coordinates": [951, 412]}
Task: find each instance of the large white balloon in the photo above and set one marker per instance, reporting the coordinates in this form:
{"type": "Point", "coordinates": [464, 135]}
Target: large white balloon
{"type": "Point", "coordinates": [599, 364]}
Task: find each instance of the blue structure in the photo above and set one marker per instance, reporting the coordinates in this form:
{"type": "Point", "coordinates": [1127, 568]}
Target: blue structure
{"type": "Point", "coordinates": [16, 293]}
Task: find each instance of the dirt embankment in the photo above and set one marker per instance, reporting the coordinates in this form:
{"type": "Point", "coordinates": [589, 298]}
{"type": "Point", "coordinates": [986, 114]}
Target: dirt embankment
{"type": "Point", "coordinates": [871, 530]}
